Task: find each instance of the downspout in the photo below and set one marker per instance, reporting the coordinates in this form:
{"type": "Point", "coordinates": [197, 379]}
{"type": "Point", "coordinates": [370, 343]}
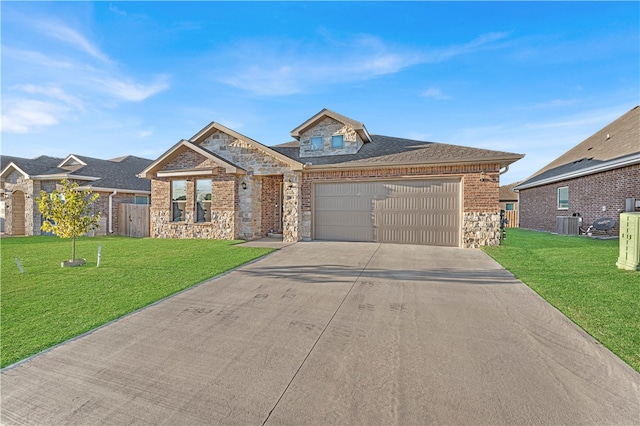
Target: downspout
{"type": "Point", "coordinates": [111, 211]}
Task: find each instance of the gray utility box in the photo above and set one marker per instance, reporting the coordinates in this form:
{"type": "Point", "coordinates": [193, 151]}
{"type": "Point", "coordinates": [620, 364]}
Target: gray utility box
{"type": "Point", "coordinates": [629, 242]}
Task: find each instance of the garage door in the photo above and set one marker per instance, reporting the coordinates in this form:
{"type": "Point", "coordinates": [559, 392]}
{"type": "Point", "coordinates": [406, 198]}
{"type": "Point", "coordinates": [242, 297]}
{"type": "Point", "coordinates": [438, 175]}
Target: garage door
{"type": "Point", "coordinates": [411, 211]}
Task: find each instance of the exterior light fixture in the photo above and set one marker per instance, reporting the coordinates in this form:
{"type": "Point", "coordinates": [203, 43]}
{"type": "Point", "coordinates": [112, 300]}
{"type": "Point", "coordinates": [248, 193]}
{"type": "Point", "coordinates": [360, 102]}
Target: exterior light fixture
{"type": "Point", "coordinates": [243, 185]}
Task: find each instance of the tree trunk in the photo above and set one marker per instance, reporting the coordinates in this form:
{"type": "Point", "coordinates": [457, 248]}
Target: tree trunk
{"type": "Point", "coordinates": [73, 248]}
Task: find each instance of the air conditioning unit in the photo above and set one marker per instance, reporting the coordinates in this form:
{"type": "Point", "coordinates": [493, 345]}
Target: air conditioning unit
{"type": "Point", "coordinates": [568, 225]}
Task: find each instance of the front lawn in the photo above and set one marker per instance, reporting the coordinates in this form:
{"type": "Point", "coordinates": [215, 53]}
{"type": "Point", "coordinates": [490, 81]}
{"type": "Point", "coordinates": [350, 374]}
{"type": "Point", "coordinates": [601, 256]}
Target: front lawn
{"type": "Point", "coordinates": [578, 275]}
{"type": "Point", "coordinates": [48, 304]}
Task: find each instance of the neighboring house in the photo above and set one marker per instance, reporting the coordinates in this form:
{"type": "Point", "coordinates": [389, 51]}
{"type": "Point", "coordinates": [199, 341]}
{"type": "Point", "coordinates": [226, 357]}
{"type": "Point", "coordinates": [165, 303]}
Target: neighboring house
{"type": "Point", "coordinates": [598, 178]}
{"type": "Point", "coordinates": [334, 182]}
{"type": "Point", "coordinates": [115, 181]}
{"type": "Point", "coordinates": [509, 203]}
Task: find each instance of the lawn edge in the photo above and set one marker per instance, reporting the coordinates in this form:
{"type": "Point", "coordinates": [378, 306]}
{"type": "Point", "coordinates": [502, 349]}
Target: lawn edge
{"type": "Point", "coordinates": [93, 330]}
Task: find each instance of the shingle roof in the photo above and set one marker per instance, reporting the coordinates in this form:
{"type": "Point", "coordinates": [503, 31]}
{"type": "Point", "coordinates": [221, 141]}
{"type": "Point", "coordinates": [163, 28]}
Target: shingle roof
{"type": "Point", "coordinates": [616, 142]}
{"type": "Point", "coordinates": [507, 193]}
{"type": "Point", "coordinates": [119, 173]}
{"type": "Point", "coordinates": [387, 150]}
{"type": "Point", "coordinates": [31, 166]}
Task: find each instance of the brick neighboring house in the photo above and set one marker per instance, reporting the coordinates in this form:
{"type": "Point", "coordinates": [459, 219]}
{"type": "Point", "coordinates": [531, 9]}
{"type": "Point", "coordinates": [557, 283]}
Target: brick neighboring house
{"type": "Point", "coordinates": [598, 178]}
{"type": "Point", "coordinates": [335, 181]}
{"type": "Point", "coordinates": [21, 180]}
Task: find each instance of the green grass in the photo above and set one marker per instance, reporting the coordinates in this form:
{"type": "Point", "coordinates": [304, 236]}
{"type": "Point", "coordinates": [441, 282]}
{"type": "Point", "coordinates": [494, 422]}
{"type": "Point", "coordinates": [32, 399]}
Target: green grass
{"type": "Point", "coordinates": [48, 304]}
{"type": "Point", "coordinates": [578, 275]}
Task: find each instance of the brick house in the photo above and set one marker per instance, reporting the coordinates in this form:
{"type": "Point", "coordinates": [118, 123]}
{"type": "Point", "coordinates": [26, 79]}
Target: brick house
{"type": "Point", "coordinates": [598, 178]}
{"type": "Point", "coordinates": [21, 179]}
{"type": "Point", "coordinates": [508, 199]}
{"type": "Point", "coordinates": [335, 181]}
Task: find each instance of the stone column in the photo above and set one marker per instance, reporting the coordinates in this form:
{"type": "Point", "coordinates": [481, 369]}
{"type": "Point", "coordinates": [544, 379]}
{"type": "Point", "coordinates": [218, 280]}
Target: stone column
{"type": "Point", "coordinates": [291, 206]}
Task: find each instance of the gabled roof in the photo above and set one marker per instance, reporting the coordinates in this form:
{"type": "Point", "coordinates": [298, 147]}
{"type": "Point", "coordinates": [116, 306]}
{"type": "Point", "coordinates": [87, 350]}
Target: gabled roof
{"type": "Point", "coordinates": [117, 174]}
{"type": "Point", "coordinates": [385, 151]}
{"type": "Point", "coordinates": [615, 145]}
{"type": "Point", "coordinates": [183, 146]}
{"type": "Point", "coordinates": [507, 193]}
{"type": "Point", "coordinates": [357, 126]}
{"type": "Point", "coordinates": [213, 126]}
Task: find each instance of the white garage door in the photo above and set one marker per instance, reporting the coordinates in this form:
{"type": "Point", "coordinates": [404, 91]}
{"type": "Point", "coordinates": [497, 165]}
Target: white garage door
{"type": "Point", "coordinates": [409, 211]}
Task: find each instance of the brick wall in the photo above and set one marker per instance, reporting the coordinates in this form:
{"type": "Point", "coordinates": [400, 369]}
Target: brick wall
{"type": "Point", "coordinates": [587, 196]}
{"type": "Point", "coordinates": [224, 203]}
{"type": "Point", "coordinates": [480, 187]}
{"type": "Point", "coordinates": [271, 201]}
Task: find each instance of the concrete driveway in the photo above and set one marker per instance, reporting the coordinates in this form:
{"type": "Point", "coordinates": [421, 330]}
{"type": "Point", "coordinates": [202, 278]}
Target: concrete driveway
{"type": "Point", "coordinates": [334, 333]}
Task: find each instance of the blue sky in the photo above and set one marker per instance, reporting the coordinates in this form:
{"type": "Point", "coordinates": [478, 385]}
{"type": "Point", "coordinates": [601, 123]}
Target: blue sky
{"type": "Point", "coordinates": [106, 79]}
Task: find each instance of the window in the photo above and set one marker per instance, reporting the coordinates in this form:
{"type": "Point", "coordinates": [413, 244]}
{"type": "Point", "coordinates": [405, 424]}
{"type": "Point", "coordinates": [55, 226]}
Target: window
{"type": "Point", "coordinates": [509, 206]}
{"type": "Point", "coordinates": [563, 198]}
{"type": "Point", "coordinates": [316, 143]}
{"type": "Point", "coordinates": [141, 199]}
{"type": "Point", "coordinates": [203, 200]}
{"type": "Point", "coordinates": [178, 200]}
{"type": "Point", "coordinates": [337, 141]}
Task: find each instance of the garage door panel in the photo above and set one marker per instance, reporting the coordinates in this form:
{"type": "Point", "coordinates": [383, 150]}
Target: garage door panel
{"type": "Point", "coordinates": [412, 211]}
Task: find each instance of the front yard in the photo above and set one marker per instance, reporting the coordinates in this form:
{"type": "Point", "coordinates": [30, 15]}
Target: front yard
{"type": "Point", "coordinates": [48, 304]}
{"type": "Point", "coordinates": [578, 276]}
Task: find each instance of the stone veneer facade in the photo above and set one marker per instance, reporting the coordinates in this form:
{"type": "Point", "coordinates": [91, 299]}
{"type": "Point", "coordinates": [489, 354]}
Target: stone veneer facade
{"type": "Point", "coordinates": [17, 186]}
{"type": "Point", "coordinates": [253, 207]}
{"type": "Point", "coordinates": [326, 128]}
{"type": "Point", "coordinates": [243, 206]}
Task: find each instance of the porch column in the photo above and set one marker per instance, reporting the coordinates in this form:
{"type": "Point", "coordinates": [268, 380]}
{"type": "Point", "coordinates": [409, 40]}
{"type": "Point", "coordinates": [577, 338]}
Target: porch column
{"type": "Point", "coordinates": [291, 206]}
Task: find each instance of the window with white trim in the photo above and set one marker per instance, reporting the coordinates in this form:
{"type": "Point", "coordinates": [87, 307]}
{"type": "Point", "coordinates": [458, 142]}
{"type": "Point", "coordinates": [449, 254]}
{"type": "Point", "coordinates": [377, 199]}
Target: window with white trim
{"type": "Point", "coordinates": [141, 199]}
{"type": "Point", "coordinates": [337, 141]}
{"type": "Point", "coordinates": [203, 200]}
{"type": "Point", "coordinates": [563, 198]}
{"type": "Point", "coordinates": [178, 200]}
{"type": "Point", "coordinates": [316, 143]}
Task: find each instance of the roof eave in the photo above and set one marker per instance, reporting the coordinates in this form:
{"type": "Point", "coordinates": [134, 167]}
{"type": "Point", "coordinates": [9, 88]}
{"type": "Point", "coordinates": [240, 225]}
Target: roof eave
{"type": "Point", "coordinates": [503, 161]}
{"type": "Point", "coordinates": [603, 167]}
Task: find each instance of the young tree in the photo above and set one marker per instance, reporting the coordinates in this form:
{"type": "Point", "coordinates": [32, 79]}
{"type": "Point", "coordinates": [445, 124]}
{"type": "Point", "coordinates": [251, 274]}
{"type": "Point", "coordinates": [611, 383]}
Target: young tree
{"type": "Point", "coordinates": [68, 213]}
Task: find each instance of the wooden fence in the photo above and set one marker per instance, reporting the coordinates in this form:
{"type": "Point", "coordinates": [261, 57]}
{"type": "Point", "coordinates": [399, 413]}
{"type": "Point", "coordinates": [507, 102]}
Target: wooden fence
{"type": "Point", "coordinates": [512, 216]}
{"type": "Point", "coordinates": [133, 220]}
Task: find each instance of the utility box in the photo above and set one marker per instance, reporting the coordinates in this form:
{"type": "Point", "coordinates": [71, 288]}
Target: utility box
{"type": "Point", "coordinates": [629, 242]}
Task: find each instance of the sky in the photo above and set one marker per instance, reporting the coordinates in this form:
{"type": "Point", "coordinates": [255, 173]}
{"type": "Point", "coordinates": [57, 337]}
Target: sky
{"type": "Point", "coordinates": [107, 79]}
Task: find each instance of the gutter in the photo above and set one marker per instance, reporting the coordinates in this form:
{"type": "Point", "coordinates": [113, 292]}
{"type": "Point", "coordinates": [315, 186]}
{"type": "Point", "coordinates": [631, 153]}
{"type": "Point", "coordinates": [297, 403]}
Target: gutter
{"type": "Point", "coordinates": [111, 211]}
{"type": "Point", "coordinates": [603, 167]}
{"type": "Point", "coordinates": [385, 165]}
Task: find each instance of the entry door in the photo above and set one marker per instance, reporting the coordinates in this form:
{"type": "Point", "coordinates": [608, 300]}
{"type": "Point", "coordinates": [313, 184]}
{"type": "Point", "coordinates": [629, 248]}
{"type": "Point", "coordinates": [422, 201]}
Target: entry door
{"type": "Point", "coordinates": [17, 213]}
{"type": "Point", "coordinates": [425, 211]}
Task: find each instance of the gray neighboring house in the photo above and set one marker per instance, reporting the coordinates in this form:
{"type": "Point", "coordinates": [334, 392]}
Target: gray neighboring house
{"type": "Point", "coordinates": [598, 178]}
{"type": "Point", "coordinates": [21, 179]}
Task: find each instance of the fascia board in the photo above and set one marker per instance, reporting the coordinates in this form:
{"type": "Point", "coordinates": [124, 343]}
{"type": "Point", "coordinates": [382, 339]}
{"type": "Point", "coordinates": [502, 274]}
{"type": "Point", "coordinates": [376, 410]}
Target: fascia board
{"type": "Point", "coordinates": [119, 190]}
{"type": "Point", "coordinates": [603, 167]}
{"type": "Point", "coordinates": [71, 157]}
{"type": "Point", "coordinates": [386, 165]}
{"type": "Point", "coordinates": [57, 176]}
{"type": "Point", "coordinates": [5, 172]}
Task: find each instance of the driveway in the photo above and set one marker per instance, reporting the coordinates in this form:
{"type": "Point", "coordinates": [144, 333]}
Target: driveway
{"type": "Point", "coordinates": [334, 333]}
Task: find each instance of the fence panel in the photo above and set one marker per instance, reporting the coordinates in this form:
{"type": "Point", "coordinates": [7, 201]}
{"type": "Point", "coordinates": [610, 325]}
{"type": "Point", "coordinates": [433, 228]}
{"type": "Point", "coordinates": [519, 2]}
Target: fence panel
{"type": "Point", "coordinates": [133, 220]}
{"type": "Point", "coordinates": [512, 216]}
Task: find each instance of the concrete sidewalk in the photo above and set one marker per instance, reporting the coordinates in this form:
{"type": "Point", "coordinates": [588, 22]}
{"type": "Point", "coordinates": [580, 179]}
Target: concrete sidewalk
{"type": "Point", "coordinates": [335, 333]}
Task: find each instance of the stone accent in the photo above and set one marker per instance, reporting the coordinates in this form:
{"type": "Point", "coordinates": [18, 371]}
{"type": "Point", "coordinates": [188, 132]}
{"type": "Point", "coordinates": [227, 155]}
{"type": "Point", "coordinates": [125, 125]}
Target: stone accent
{"type": "Point", "coordinates": [326, 128]}
{"type": "Point", "coordinates": [480, 229]}
{"type": "Point", "coordinates": [291, 211]}
{"type": "Point", "coordinates": [225, 190]}
{"type": "Point", "coordinates": [243, 154]}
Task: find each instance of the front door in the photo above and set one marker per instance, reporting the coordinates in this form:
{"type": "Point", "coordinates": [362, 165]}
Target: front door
{"type": "Point", "coordinates": [17, 213]}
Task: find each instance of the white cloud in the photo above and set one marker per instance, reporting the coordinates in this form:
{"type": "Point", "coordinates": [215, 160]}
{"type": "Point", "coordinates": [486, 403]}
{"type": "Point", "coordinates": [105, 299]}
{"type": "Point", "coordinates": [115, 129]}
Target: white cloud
{"type": "Point", "coordinates": [128, 90]}
{"type": "Point", "coordinates": [70, 36]}
{"type": "Point", "coordinates": [288, 67]}
{"type": "Point", "coordinates": [435, 93]}
{"type": "Point", "coordinates": [24, 115]}
{"type": "Point", "coordinates": [52, 92]}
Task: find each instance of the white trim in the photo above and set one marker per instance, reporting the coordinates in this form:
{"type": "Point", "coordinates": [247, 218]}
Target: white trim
{"type": "Point", "coordinates": [120, 190]}
{"type": "Point", "coordinates": [189, 172]}
{"type": "Point", "coordinates": [13, 165]}
{"type": "Point", "coordinates": [74, 158]}
{"type": "Point", "coordinates": [598, 168]}
{"type": "Point", "coordinates": [64, 176]}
